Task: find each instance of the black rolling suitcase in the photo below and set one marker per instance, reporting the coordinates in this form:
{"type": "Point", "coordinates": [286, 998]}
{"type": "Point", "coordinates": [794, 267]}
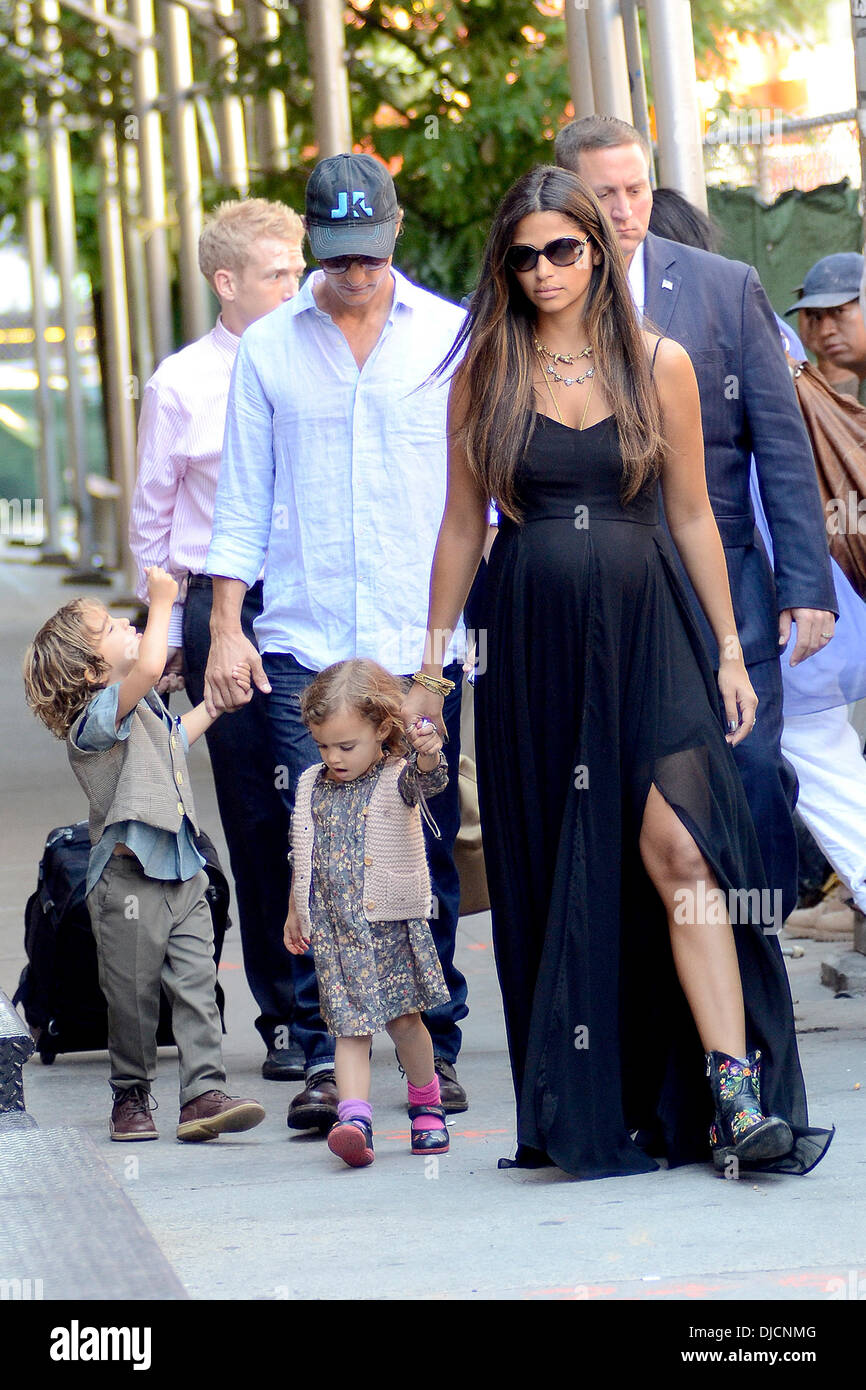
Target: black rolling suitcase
{"type": "Point", "coordinates": [59, 987]}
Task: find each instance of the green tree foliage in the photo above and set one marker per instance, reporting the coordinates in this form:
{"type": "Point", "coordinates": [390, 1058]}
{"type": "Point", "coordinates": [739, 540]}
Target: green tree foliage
{"type": "Point", "coordinates": [459, 96]}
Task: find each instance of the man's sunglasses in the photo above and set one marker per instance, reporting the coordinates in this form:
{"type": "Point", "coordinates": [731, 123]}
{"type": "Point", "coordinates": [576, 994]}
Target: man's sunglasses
{"type": "Point", "coordinates": [338, 265]}
{"type": "Point", "coordinates": [565, 250]}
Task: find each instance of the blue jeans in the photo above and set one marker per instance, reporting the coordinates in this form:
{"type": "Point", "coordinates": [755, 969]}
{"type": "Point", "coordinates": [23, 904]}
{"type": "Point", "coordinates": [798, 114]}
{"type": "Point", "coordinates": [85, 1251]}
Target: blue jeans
{"type": "Point", "coordinates": [253, 819]}
{"type": "Point", "coordinates": [294, 750]}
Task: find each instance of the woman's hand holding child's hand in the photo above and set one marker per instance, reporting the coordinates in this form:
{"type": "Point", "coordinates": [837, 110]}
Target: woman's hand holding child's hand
{"type": "Point", "coordinates": [423, 736]}
{"type": "Point", "coordinates": [161, 588]}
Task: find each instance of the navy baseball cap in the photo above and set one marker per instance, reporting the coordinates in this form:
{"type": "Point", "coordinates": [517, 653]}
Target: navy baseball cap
{"type": "Point", "coordinates": [351, 207]}
{"type": "Point", "coordinates": [832, 281]}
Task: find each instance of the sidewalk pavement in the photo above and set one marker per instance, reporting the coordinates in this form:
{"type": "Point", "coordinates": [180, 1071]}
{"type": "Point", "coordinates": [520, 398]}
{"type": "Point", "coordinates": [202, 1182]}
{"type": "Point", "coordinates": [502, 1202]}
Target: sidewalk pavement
{"type": "Point", "coordinates": [273, 1216]}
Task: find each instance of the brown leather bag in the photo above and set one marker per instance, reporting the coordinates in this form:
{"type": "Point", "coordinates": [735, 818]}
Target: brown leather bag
{"type": "Point", "coordinates": [836, 426]}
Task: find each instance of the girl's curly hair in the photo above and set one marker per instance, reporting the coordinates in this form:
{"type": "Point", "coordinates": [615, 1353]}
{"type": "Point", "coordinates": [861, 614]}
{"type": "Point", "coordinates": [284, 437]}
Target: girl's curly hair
{"type": "Point", "coordinates": [361, 685]}
{"type": "Point", "coordinates": [62, 669]}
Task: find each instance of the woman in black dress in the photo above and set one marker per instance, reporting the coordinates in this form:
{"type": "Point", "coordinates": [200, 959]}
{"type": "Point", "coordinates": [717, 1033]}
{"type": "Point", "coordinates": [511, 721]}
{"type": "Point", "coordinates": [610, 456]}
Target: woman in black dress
{"type": "Point", "coordinates": [618, 842]}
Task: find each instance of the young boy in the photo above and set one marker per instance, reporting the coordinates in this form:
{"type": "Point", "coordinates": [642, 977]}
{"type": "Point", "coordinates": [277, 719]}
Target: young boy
{"type": "Point", "coordinates": [89, 677]}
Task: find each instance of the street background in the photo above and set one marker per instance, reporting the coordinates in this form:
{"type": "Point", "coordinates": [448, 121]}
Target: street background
{"type": "Point", "coordinates": [274, 1216]}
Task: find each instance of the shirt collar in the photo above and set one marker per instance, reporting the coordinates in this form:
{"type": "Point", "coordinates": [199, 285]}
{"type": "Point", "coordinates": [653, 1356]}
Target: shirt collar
{"type": "Point", "coordinates": [224, 339]}
{"type": "Point", "coordinates": [406, 294]}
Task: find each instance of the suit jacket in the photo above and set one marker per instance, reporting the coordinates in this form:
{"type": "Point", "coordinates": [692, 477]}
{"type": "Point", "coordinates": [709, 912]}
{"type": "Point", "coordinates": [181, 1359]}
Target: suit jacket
{"type": "Point", "coordinates": [718, 311]}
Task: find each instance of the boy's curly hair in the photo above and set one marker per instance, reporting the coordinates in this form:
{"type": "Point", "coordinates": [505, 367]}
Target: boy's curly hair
{"type": "Point", "coordinates": [62, 670]}
{"type": "Point", "coordinates": [361, 685]}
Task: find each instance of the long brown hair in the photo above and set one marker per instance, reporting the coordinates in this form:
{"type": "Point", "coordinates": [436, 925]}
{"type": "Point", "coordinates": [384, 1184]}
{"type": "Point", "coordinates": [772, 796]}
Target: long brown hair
{"type": "Point", "coordinates": [497, 370]}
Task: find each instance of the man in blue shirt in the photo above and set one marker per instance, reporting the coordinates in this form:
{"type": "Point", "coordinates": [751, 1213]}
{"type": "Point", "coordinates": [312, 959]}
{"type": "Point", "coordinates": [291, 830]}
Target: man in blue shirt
{"type": "Point", "coordinates": [333, 476]}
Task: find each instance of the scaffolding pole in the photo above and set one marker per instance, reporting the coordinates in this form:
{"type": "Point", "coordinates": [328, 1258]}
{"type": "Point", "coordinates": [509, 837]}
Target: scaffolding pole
{"type": "Point", "coordinates": [51, 551]}
{"type": "Point", "coordinates": [146, 129]}
{"type": "Point", "coordinates": [579, 66]}
{"type": "Point", "coordinates": [223, 55]}
{"type": "Point", "coordinates": [672, 57]}
{"type": "Point", "coordinates": [271, 127]}
{"type": "Point", "coordinates": [607, 55]}
{"type": "Point", "coordinates": [118, 396]}
{"type": "Point", "coordinates": [195, 301]}
{"type": "Point", "coordinates": [636, 73]}
{"type": "Point", "coordinates": [858, 31]}
{"type": "Point", "coordinates": [327, 42]}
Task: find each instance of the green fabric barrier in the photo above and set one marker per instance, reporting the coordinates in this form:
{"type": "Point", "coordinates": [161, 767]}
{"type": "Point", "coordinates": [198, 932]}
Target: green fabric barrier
{"type": "Point", "coordinates": [784, 240]}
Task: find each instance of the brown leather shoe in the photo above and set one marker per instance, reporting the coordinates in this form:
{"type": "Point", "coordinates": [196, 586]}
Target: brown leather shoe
{"type": "Point", "coordinates": [215, 1113]}
{"type": "Point", "coordinates": [316, 1106]}
{"type": "Point", "coordinates": [452, 1096]}
{"type": "Point", "coordinates": [130, 1115]}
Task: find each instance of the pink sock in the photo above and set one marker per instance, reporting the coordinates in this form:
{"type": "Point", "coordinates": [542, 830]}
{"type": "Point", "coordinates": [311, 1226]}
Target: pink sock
{"type": "Point", "coordinates": [355, 1110]}
{"type": "Point", "coordinates": [426, 1095]}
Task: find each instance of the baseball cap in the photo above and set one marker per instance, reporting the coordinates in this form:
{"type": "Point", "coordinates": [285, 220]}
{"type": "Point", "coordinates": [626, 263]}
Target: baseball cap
{"type": "Point", "coordinates": [351, 207]}
{"type": "Point", "coordinates": [832, 281]}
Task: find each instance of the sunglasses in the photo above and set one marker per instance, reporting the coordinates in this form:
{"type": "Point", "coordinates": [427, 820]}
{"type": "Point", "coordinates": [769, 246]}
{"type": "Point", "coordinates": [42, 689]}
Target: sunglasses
{"type": "Point", "coordinates": [338, 265]}
{"type": "Point", "coordinates": [565, 250]}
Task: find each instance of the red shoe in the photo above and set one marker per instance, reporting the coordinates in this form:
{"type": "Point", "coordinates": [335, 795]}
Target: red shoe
{"type": "Point", "coordinates": [352, 1141]}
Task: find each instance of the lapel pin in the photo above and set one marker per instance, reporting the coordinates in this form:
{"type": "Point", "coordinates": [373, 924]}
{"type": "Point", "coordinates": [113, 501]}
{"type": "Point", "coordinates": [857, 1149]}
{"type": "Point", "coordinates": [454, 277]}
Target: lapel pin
{"type": "Point", "coordinates": [667, 284]}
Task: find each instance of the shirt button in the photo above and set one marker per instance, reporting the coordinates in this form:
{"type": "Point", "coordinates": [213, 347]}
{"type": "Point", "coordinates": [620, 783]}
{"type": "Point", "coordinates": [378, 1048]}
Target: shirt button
{"type": "Point", "coordinates": [180, 808]}
{"type": "Point", "coordinates": [369, 906]}
{"type": "Point", "coordinates": [173, 741]}
{"type": "Point", "coordinates": [179, 777]}
{"type": "Point", "coordinates": [367, 859]}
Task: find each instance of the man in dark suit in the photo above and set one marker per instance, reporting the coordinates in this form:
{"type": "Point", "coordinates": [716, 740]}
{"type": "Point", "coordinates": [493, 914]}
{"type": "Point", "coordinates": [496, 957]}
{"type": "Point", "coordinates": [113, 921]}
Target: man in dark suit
{"type": "Point", "coordinates": [718, 311]}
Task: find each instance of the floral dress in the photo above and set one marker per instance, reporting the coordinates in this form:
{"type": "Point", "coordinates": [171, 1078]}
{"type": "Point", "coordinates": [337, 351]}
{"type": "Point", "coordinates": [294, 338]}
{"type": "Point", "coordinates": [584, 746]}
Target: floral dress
{"type": "Point", "coordinates": [368, 972]}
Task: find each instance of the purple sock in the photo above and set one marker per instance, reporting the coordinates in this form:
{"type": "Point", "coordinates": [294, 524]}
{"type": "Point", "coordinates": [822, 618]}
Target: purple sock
{"type": "Point", "coordinates": [426, 1095]}
{"type": "Point", "coordinates": [355, 1110]}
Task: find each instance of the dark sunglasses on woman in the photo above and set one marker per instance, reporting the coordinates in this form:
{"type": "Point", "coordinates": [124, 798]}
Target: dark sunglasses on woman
{"type": "Point", "coordinates": [564, 250]}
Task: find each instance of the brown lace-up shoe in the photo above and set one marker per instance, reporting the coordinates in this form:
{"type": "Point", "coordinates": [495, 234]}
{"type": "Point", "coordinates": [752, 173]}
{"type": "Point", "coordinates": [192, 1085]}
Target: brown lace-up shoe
{"type": "Point", "coordinates": [130, 1115]}
{"type": "Point", "coordinates": [215, 1113]}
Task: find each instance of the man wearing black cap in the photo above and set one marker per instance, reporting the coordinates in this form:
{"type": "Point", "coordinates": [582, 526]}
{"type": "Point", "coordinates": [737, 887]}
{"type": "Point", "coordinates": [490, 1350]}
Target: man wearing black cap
{"type": "Point", "coordinates": [831, 324]}
{"type": "Point", "coordinates": [333, 476]}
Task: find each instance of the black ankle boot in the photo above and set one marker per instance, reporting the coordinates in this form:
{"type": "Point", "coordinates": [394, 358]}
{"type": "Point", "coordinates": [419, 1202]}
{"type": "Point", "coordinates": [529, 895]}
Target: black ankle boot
{"type": "Point", "coordinates": [740, 1128]}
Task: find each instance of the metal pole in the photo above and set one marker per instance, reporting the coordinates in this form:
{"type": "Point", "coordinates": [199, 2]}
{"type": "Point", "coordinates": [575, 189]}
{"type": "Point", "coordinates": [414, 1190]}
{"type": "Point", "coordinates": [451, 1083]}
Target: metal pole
{"type": "Point", "coordinates": [223, 55]}
{"type": "Point", "coordinates": [672, 54]}
{"type": "Point", "coordinates": [271, 124]}
{"type": "Point", "coordinates": [136, 279]}
{"type": "Point", "coordinates": [119, 401]}
{"type": "Point", "coordinates": [196, 307]}
{"type": "Point", "coordinates": [51, 551]}
{"type": "Point", "coordinates": [145, 127]}
{"type": "Point", "coordinates": [607, 56]}
{"type": "Point", "coordinates": [579, 67]}
{"type": "Point", "coordinates": [327, 42]}
{"type": "Point", "coordinates": [858, 30]}
{"type": "Point", "coordinates": [63, 226]}
{"type": "Point", "coordinates": [636, 74]}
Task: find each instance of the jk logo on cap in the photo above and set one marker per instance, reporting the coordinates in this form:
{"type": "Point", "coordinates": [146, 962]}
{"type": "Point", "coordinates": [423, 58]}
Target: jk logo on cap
{"type": "Point", "coordinates": [358, 206]}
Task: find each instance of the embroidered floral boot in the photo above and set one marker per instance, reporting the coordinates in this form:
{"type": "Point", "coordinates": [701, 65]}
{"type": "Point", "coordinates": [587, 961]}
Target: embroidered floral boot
{"type": "Point", "coordinates": [740, 1128]}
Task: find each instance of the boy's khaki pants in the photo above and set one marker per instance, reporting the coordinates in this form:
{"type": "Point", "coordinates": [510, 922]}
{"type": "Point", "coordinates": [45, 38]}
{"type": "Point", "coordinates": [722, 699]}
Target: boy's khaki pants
{"type": "Point", "coordinates": [149, 932]}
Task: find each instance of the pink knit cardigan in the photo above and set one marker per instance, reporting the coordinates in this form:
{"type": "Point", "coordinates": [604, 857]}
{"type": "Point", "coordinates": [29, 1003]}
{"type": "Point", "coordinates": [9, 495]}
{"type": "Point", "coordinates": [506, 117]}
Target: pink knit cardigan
{"type": "Point", "coordinates": [396, 876]}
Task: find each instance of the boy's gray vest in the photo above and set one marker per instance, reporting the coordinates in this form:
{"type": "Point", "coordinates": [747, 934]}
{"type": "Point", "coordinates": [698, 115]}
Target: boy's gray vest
{"type": "Point", "coordinates": [143, 777]}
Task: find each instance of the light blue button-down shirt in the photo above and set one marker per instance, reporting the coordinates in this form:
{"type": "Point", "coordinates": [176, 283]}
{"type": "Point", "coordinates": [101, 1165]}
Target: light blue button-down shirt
{"type": "Point", "coordinates": [338, 476]}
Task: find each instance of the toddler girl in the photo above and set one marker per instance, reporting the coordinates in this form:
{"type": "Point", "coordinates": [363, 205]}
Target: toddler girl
{"type": "Point", "coordinates": [361, 893]}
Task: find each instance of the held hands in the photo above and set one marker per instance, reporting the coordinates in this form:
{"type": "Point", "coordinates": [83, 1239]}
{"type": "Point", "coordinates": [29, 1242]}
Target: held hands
{"type": "Point", "coordinates": [421, 703]}
{"type": "Point", "coordinates": [172, 674]}
{"type": "Point", "coordinates": [424, 738]}
{"type": "Point", "coordinates": [226, 688]}
{"type": "Point", "coordinates": [161, 588]}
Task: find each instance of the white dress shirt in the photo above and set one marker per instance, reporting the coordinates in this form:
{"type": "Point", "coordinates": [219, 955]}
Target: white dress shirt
{"type": "Point", "coordinates": [180, 435]}
{"type": "Point", "coordinates": [338, 475]}
{"type": "Point", "coordinates": [637, 279]}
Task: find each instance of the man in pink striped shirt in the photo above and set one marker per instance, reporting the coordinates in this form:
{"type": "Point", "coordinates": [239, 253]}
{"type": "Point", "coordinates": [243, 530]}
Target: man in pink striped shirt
{"type": "Point", "coordinates": [250, 253]}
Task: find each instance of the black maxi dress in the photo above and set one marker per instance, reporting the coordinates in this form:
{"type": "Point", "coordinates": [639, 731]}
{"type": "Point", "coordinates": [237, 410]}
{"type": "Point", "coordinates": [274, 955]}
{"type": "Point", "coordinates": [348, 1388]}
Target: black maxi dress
{"type": "Point", "coordinates": [596, 686]}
